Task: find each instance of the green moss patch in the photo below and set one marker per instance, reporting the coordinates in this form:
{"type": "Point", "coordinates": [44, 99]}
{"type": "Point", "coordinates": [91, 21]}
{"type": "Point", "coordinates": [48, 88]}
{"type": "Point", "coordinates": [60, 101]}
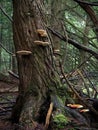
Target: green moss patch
{"type": "Point", "coordinates": [60, 120]}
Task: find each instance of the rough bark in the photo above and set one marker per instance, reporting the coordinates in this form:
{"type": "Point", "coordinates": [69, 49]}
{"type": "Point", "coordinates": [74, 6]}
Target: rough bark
{"type": "Point", "coordinates": [36, 71]}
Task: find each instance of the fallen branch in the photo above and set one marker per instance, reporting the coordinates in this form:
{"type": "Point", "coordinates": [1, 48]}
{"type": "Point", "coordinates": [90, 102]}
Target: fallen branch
{"type": "Point", "coordinates": [49, 113]}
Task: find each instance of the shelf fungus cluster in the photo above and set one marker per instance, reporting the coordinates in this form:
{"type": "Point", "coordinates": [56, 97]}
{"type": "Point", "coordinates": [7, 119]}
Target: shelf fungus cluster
{"type": "Point", "coordinates": [43, 34]}
{"type": "Point", "coordinates": [24, 52]}
{"type": "Point", "coordinates": [78, 106]}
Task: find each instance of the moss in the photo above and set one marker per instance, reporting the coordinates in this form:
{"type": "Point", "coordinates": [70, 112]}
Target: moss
{"type": "Point", "coordinates": [60, 120]}
{"type": "Point", "coordinates": [60, 99]}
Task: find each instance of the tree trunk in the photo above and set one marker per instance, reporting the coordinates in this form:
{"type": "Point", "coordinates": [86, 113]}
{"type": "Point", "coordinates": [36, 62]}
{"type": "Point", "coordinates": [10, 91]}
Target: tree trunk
{"type": "Point", "coordinates": [83, 54]}
{"type": "Point", "coordinates": [37, 75]}
{"type": "Point", "coordinates": [55, 22]}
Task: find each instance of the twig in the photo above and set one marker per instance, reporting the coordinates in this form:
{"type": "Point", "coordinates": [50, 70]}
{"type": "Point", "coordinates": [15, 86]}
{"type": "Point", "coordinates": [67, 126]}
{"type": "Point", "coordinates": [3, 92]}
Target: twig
{"type": "Point", "coordinates": [83, 79]}
{"type": "Point", "coordinates": [90, 82]}
{"type": "Point", "coordinates": [68, 82]}
{"type": "Point", "coordinates": [13, 74]}
{"type": "Point", "coordinates": [3, 11]}
{"type": "Point", "coordinates": [87, 3]}
{"type": "Point", "coordinates": [6, 49]}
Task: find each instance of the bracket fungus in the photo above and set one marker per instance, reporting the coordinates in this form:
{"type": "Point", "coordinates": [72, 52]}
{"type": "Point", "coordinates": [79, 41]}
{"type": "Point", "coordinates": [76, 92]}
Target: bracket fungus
{"type": "Point", "coordinates": [84, 110]}
{"type": "Point", "coordinates": [24, 52]}
{"type": "Point", "coordinates": [41, 43]}
{"type": "Point", "coordinates": [75, 106]}
{"type": "Point", "coordinates": [56, 50]}
{"type": "Point", "coordinates": [42, 32]}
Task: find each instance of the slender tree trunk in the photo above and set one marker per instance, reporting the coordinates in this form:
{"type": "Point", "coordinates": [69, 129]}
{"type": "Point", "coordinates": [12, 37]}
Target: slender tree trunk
{"type": "Point", "coordinates": [37, 75]}
{"type": "Point", "coordinates": [56, 24]}
{"type": "Point", "coordinates": [83, 54]}
{"type": "Point", "coordinates": [1, 30]}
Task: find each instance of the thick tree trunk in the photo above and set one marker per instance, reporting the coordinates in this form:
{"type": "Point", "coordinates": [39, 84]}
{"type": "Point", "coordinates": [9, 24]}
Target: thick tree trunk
{"type": "Point", "coordinates": [36, 72]}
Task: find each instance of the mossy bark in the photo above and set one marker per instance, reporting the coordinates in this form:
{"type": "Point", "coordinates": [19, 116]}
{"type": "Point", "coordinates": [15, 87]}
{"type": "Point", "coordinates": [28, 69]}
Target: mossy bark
{"type": "Point", "coordinates": [37, 75]}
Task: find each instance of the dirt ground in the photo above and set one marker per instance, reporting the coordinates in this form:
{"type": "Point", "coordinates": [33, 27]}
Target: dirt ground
{"type": "Point", "coordinates": [8, 95]}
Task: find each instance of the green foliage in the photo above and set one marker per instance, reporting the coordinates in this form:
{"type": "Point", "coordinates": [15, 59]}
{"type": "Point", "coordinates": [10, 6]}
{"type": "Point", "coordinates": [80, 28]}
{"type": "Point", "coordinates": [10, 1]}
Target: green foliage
{"type": "Point", "coordinates": [6, 36]}
{"type": "Point", "coordinates": [60, 120]}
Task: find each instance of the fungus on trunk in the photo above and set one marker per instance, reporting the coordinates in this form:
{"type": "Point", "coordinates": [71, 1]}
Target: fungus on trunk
{"type": "Point", "coordinates": [24, 52]}
{"type": "Point", "coordinates": [42, 32]}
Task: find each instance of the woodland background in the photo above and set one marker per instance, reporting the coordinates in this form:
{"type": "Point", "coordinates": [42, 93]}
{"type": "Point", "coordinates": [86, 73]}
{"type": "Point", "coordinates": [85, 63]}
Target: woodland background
{"type": "Point", "coordinates": [72, 28]}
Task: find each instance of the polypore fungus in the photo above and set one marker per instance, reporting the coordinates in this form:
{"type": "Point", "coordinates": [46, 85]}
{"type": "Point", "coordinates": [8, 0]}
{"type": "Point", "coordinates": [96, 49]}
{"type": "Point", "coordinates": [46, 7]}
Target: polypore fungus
{"type": "Point", "coordinates": [41, 43]}
{"type": "Point", "coordinates": [84, 110]}
{"type": "Point", "coordinates": [75, 106]}
{"type": "Point", "coordinates": [42, 32]}
{"type": "Point", "coordinates": [56, 50]}
{"type": "Point", "coordinates": [24, 52]}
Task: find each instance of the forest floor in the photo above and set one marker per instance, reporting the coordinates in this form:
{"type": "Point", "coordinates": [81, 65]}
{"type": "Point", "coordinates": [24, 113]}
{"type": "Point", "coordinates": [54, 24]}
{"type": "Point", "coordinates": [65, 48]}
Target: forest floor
{"type": "Point", "coordinates": [8, 95]}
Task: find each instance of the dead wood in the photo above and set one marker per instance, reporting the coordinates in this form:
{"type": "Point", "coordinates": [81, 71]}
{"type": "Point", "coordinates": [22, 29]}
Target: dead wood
{"type": "Point", "coordinates": [49, 113]}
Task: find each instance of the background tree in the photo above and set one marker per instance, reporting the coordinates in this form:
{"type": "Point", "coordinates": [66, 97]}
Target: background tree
{"type": "Point", "coordinates": [6, 39]}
